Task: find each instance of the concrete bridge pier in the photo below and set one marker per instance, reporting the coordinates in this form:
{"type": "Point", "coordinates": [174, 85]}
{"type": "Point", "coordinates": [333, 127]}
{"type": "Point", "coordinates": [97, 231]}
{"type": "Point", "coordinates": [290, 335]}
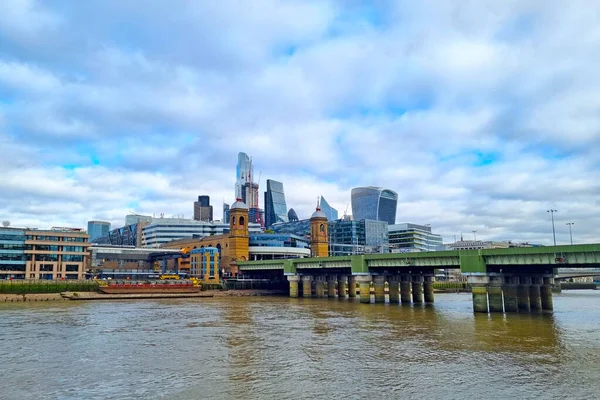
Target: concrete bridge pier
{"type": "Point", "coordinates": [417, 289]}
{"type": "Point", "coordinates": [351, 286]}
{"type": "Point", "coordinates": [546, 294]}
{"type": "Point", "coordinates": [342, 286]}
{"type": "Point", "coordinates": [293, 280]}
{"type": "Point", "coordinates": [405, 285]}
{"type": "Point", "coordinates": [428, 288]}
{"type": "Point", "coordinates": [394, 289]}
{"type": "Point", "coordinates": [331, 285]}
{"type": "Point", "coordinates": [379, 286]}
{"type": "Point", "coordinates": [511, 301]}
{"type": "Point", "coordinates": [494, 291]}
{"type": "Point", "coordinates": [479, 290]}
{"type": "Point", "coordinates": [535, 296]}
{"type": "Point", "coordinates": [364, 281]}
{"type": "Point", "coordinates": [320, 286]}
{"type": "Point", "coordinates": [523, 293]}
{"type": "Point", "coordinates": [307, 286]}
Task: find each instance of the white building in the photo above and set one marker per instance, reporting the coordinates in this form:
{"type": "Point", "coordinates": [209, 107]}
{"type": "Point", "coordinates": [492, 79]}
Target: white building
{"type": "Point", "coordinates": [412, 237]}
{"type": "Point", "coordinates": [165, 230]}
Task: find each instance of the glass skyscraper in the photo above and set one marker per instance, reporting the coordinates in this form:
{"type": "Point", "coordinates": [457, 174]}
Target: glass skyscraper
{"type": "Point", "coordinates": [332, 213]}
{"type": "Point", "coordinates": [97, 229]}
{"type": "Point", "coordinates": [275, 207]}
{"type": "Point", "coordinates": [374, 203]}
{"type": "Point", "coordinates": [243, 174]}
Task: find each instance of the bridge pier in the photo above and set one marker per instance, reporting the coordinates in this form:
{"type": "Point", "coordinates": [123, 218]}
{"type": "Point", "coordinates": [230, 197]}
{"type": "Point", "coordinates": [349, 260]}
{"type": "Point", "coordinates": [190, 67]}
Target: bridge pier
{"type": "Point", "coordinates": [405, 295]}
{"type": "Point", "coordinates": [511, 302]}
{"type": "Point", "coordinates": [379, 286]}
{"type": "Point", "coordinates": [364, 282]}
{"type": "Point", "coordinates": [307, 286]}
{"type": "Point", "coordinates": [494, 291]}
{"type": "Point", "coordinates": [319, 286]}
{"type": "Point", "coordinates": [479, 291]}
{"type": "Point", "coordinates": [535, 296]}
{"type": "Point", "coordinates": [293, 280]}
{"type": "Point", "coordinates": [394, 289]}
{"type": "Point", "coordinates": [428, 288]}
{"type": "Point", "coordinates": [417, 289]}
{"type": "Point", "coordinates": [351, 286]}
{"type": "Point", "coordinates": [546, 294]}
{"type": "Point", "coordinates": [523, 293]}
{"type": "Point", "coordinates": [331, 285]}
{"type": "Point", "coordinates": [342, 286]}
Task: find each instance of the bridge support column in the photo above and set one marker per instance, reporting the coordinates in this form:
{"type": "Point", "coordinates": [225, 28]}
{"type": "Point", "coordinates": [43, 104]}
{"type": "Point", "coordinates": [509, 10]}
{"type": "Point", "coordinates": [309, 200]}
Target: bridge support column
{"type": "Point", "coordinates": [342, 286]}
{"type": "Point", "coordinates": [495, 294]}
{"type": "Point", "coordinates": [417, 289]}
{"type": "Point", "coordinates": [293, 280]}
{"type": "Point", "coordinates": [320, 286]}
{"type": "Point", "coordinates": [428, 288]}
{"type": "Point", "coordinates": [511, 301]}
{"type": "Point", "coordinates": [523, 293]}
{"type": "Point", "coordinates": [535, 296]}
{"type": "Point", "coordinates": [331, 285]}
{"type": "Point", "coordinates": [364, 282]}
{"type": "Point", "coordinates": [379, 286]}
{"type": "Point", "coordinates": [307, 286]}
{"type": "Point", "coordinates": [479, 291]}
{"type": "Point", "coordinates": [405, 285]}
{"type": "Point", "coordinates": [546, 294]}
{"type": "Point", "coordinates": [351, 286]}
{"type": "Point", "coordinates": [394, 289]}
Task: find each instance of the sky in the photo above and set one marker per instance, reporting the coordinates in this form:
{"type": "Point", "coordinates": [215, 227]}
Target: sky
{"type": "Point", "coordinates": [481, 115]}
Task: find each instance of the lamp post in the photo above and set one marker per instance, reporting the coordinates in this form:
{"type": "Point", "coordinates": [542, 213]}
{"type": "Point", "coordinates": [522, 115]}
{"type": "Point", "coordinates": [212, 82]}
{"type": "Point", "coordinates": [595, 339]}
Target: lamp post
{"type": "Point", "coordinates": [475, 235]}
{"type": "Point", "coordinates": [571, 231]}
{"type": "Point", "coordinates": [552, 211]}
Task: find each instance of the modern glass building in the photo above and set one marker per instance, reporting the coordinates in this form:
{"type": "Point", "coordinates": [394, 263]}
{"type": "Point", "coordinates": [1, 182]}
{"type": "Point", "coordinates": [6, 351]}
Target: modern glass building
{"type": "Point", "coordinates": [243, 174]}
{"type": "Point", "coordinates": [12, 253]}
{"type": "Point", "coordinates": [275, 207]}
{"type": "Point", "coordinates": [332, 213]}
{"type": "Point", "coordinates": [413, 237]}
{"type": "Point", "coordinates": [374, 203]}
{"type": "Point", "coordinates": [348, 237]}
{"type": "Point", "coordinates": [97, 229]}
{"type": "Point", "coordinates": [292, 216]}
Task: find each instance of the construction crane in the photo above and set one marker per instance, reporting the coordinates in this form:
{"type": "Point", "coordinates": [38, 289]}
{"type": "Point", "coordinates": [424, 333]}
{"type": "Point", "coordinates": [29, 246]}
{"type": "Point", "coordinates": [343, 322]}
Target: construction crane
{"type": "Point", "coordinates": [346, 210]}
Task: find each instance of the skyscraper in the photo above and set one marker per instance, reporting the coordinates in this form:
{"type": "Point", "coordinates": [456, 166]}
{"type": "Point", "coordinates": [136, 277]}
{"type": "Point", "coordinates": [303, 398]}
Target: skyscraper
{"type": "Point", "coordinates": [98, 229]}
{"type": "Point", "coordinates": [203, 211]}
{"type": "Point", "coordinates": [275, 207]}
{"type": "Point", "coordinates": [226, 213]}
{"type": "Point", "coordinates": [332, 213]}
{"type": "Point", "coordinates": [374, 203]}
{"type": "Point", "coordinates": [243, 174]}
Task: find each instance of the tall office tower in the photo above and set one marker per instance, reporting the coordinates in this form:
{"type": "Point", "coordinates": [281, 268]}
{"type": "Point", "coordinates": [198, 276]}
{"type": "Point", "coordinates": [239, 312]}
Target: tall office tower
{"type": "Point", "coordinates": [275, 208]}
{"type": "Point", "coordinates": [226, 213]}
{"type": "Point", "coordinates": [292, 216]}
{"type": "Point", "coordinates": [374, 203]}
{"type": "Point", "coordinates": [97, 229]}
{"type": "Point", "coordinates": [243, 174]}
{"type": "Point", "coordinates": [332, 213]}
{"type": "Point", "coordinates": [203, 211]}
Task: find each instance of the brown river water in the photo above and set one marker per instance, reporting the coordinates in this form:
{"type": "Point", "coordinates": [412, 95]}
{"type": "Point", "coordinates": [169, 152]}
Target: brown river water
{"type": "Point", "coordinates": [281, 348]}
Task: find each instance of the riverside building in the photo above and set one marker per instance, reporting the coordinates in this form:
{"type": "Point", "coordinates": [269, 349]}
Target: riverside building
{"type": "Point", "coordinates": [412, 237]}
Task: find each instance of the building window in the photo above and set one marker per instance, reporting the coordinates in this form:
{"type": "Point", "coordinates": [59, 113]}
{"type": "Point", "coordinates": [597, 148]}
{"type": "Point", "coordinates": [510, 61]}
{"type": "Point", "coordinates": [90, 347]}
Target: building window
{"type": "Point", "coordinates": [241, 221]}
{"type": "Point", "coordinates": [233, 220]}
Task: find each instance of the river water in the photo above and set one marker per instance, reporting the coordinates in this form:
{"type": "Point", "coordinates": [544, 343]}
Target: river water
{"type": "Point", "coordinates": [276, 348]}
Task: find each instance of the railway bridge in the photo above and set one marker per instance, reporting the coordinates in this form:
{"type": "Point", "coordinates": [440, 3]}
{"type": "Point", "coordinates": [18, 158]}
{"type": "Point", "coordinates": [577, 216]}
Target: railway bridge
{"type": "Point", "coordinates": [502, 280]}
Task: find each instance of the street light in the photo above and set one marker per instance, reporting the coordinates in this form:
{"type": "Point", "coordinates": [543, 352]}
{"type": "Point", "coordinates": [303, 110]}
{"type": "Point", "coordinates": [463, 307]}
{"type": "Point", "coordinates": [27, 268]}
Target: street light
{"type": "Point", "coordinates": [552, 211]}
{"type": "Point", "coordinates": [571, 231]}
{"type": "Point", "coordinates": [475, 235]}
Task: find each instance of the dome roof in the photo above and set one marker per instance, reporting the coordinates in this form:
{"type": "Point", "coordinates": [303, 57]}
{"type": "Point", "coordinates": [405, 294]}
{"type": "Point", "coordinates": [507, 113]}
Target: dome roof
{"type": "Point", "coordinates": [239, 204]}
{"type": "Point", "coordinates": [318, 214]}
{"type": "Point", "coordinates": [292, 216]}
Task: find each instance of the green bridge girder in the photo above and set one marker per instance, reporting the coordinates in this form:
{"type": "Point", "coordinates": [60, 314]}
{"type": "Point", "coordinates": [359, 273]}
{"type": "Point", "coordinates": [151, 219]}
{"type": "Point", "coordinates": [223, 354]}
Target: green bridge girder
{"type": "Point", "coordinates": [470, 262]}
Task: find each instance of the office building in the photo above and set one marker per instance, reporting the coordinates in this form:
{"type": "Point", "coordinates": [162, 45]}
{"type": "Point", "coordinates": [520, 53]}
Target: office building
{"type": "Point", "coordinates": [348, 237]}
{"type": "Point", "coordinates": [165, 230]}
{"type": "Point", "coordinates": [412, 237]}
{"type": "Point", "coordinates": [225, 213]}
{"type": "Point", "coordinates": [120, 262]}
{"type": "Point", "coordinates": [203, 211]}
{"type": "Point", "coordinates": [374, 203]}
{"type": "Point", "coordinates": [13, 262]}
{"type": "Point", "coordinates": [292, 216]}
{"type": "Point", "coordinates": [275, 207]}
{"type": "Point", "coordinates": [332, 213]}
{"type": "Point", "coordinates": [132, 219]}
{"type": "Point", "coordinates": [98, 229]}
{"type": "Point", "coordinates": [128, 235]}
{"type": "Point", "coordinates": [243, 174]}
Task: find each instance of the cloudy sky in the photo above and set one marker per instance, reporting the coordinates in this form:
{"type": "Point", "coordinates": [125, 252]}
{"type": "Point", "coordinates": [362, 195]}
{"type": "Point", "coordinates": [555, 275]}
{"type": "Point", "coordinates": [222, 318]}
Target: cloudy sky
{"type": "Point", "coordinates": [481, 114]}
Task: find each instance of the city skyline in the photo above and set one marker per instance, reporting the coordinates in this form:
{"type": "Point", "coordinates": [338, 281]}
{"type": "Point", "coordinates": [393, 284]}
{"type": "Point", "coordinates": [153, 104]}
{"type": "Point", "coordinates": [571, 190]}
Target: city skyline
{"type": "Point", "coordinates": [481, 123]}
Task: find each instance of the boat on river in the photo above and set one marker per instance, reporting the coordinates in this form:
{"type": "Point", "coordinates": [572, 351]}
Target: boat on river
{"type": "Point", "coordinates": [162, 286]}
